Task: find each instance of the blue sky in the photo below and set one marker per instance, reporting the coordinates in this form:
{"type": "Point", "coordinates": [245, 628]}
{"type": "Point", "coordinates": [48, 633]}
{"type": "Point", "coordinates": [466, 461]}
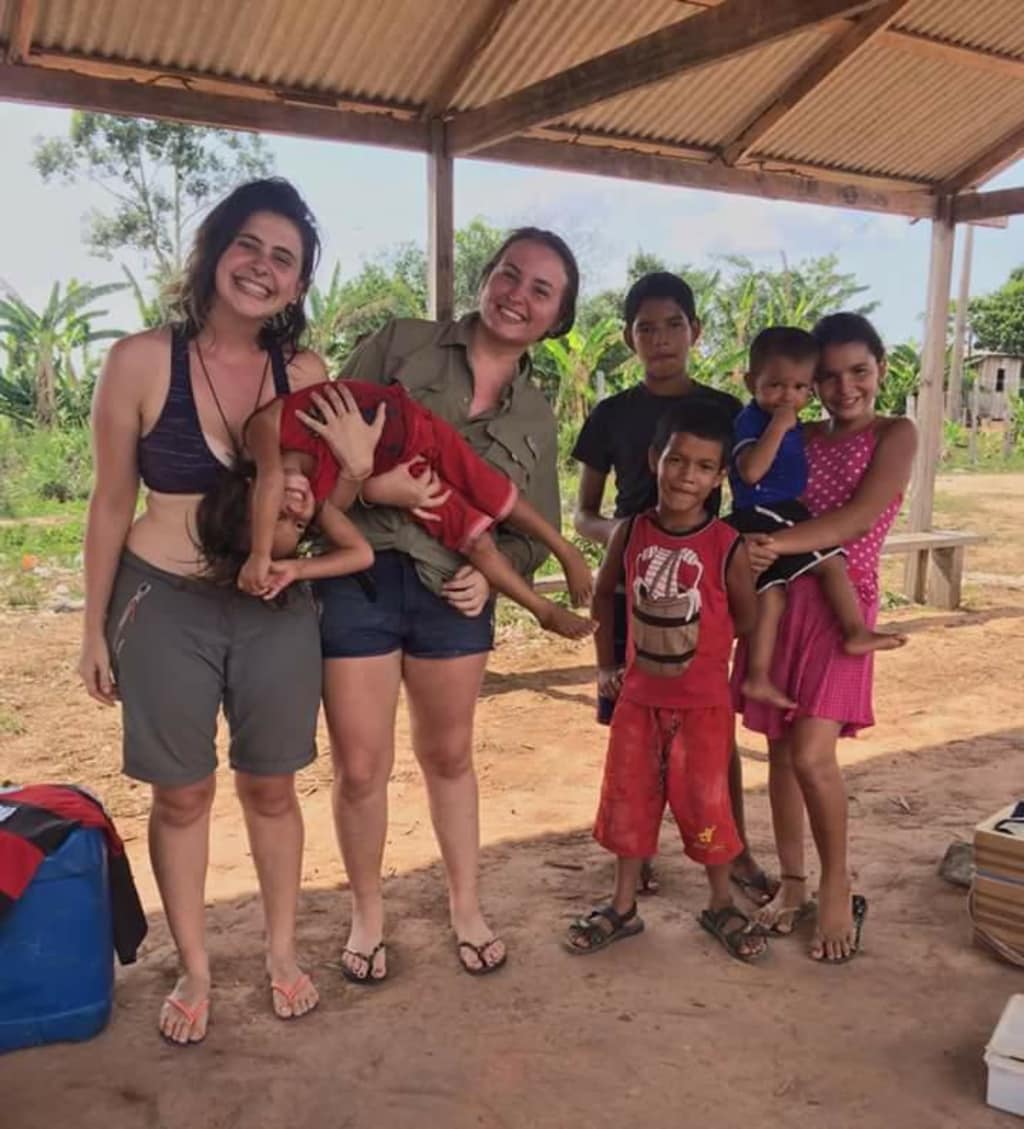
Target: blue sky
{"type": "Point", "coordinates": [369, 199]}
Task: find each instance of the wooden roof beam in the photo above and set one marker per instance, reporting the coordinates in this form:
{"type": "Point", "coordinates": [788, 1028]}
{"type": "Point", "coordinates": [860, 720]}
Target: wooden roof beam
{"type": "Point", "coordinates": [713, 177]}
{"type": "Point", "coordinates": [825, 66]}
{"type": "Point", "coordinates": [710, 36]}
{"type": "Point", "coordinates": [118, 96]}
{"type": "Point", "coordinates": [23, 23]}
{"type": "Point", "coordinates": [481, 35]}
{"type": "Point", "coordinates": [991, 163]}
{"type": "Point", "coordinates": [977, 207]}
{"type": "Point", "coordinates": [928, 46]}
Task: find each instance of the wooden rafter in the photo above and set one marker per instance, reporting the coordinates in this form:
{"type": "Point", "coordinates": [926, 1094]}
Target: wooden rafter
{"type": "Point", "coordinates": [713, 177]}
{"type": "Point", "coordinates": [991, 163]}
{"type": "Point", "coordinates": [825, 66]}
{"type": "Point", "coordinates": [23, 22]}
{"type": "Point", "coordinates": [711, 36]}
{"type": "Point", "coordinates": [479, 38]}
{"type": "Point", "coordinates": [916, 43]}
{"type": "Point", "coordinates": [117, 96]}
{"type": "Point", "coordinates": [976, 207]}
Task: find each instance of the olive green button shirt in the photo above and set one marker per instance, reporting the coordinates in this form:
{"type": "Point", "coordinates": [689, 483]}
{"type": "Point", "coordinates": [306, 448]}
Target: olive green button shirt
{"type": "Point", "coordinates": [519, 437]}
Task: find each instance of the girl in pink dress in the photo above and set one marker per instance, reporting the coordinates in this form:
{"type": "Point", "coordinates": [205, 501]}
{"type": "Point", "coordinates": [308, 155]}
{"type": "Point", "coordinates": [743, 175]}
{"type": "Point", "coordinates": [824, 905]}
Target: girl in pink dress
{"type": "Point", "coordinates": [859, 465]}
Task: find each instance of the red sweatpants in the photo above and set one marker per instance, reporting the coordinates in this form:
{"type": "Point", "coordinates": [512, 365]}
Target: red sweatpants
{"type": "Point", "coordinates": [681, 757]}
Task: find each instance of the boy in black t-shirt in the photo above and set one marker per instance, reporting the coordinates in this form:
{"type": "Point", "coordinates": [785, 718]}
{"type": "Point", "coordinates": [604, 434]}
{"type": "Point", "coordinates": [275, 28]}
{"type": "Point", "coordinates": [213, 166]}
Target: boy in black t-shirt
{"type": "Point", "coordinates": [661, 326]}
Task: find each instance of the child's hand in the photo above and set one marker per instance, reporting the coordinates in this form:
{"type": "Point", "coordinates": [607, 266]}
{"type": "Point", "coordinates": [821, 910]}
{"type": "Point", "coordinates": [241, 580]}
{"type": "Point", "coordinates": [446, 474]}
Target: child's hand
{"type": "Point", "coordinates": [352, 440]}
{"type": "Point", "coordinates": [578, 578]}
{"type": "Point", "coordinates": [282, 573]}
{"type": "Point", "coordinates": [762, 551]}
{"type": "Point", "coordinates": [609, 682]}
{"type": "Point", "coordinates": [254, 576]}
{"type": "Point", "coordinates": [785, 417]}
{"type": "Point", "coordinates": [409, 486]}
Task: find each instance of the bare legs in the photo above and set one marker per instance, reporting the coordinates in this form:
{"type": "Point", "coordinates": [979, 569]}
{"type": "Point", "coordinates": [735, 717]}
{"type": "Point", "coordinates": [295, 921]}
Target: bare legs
{"type": "Point", "coordinates": [804, 773]}
{"type": "Point", "coordinates": [179, 833]}
{"type": "Point", "coordinates": [360, 701]}
{"type": "Point", "coordinates": [442, 695]}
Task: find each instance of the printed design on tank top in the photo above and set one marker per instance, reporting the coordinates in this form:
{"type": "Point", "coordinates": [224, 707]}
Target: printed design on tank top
{"type": "Point", "coordinates": [665, 609]}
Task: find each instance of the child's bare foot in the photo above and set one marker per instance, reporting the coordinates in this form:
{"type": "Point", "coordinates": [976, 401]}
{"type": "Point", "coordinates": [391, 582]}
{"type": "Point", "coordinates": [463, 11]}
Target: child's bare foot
{"type": "Point", "coordinates": [760, 688]}
{"type": "Point", "coordinates": [838, 934]}
{"type": "Point", "coordinates": [865, 641]}
{"type": "Point", "coordinates": [186, 1011]}
{"type": "Point", "coordinates": [788, 908]}
{"type": "Point", "coordinates": [566, 623]}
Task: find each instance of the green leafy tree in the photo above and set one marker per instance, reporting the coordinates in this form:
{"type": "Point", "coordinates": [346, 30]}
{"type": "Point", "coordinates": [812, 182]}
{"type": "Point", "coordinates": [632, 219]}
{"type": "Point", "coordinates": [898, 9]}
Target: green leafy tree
{"type": "Point", "coordinates": [159, 176]}
{"type": "Point", "coordinates": [997, 319]}
{"type": "Point", "coordinates": [49, 367]}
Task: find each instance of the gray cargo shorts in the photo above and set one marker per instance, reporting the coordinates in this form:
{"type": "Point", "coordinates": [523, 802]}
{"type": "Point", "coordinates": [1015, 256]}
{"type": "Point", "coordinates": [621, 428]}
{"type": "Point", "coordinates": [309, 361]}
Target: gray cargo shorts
{"type": "Point", "coordinates": [181, 649]}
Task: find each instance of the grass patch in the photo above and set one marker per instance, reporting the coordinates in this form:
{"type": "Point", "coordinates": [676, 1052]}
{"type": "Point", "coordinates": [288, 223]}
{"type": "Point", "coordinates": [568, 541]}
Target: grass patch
{"type": "Point", "coordinates": [23, 592]}
{"type": "Point", "coordinates": [57, 542]}
{"type": "Point", "coordinates": [10, 724]}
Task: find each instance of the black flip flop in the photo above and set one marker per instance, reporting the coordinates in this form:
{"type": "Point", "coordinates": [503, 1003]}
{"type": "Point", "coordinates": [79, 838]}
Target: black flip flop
{"type": "Point", "coordinates": [368, 980]}
{"type": "Point", "coordinates": [485, 969]}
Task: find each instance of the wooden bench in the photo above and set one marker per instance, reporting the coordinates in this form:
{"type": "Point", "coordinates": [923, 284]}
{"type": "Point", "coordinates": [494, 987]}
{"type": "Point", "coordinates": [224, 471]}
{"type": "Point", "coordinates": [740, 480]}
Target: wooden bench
{"type": "Point", "coordinates": [941, 568]}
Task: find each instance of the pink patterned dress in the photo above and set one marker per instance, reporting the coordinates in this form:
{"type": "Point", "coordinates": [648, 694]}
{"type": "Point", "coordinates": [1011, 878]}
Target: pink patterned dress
{"type": "Point", "coordinates": [809, 664]}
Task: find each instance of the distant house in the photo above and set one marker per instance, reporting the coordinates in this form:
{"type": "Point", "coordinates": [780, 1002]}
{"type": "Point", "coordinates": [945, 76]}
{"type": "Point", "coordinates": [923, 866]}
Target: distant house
{"type": "Point", "coordinates": [999, 379]}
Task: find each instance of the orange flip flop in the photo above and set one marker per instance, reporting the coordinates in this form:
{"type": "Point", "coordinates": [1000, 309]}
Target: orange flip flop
{"type": "Point", "coordinates": [192, 1014]}
{"type": "Point", "coordinates": [290, 991]}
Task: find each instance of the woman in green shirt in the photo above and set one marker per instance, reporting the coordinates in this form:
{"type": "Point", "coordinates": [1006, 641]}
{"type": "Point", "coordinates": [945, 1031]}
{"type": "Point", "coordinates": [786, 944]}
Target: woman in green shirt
{"type": "Point", "coordinates": [425, 618]}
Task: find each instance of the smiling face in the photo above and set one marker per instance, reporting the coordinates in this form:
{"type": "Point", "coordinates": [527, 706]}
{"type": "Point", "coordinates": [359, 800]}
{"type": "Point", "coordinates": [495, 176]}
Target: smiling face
{"type": "Point", "coordinates": [848, 380]}
{"type": "Point", "coordinates": [662, 335]}
{"type": "Point", "coordinates": [521, 299]}
{"type": "Point", "coordinates": [297, 511]}
{"type": "Point", "coordinates": [688, 470]}
{"type": "Point", "coordinates": [259, 273]}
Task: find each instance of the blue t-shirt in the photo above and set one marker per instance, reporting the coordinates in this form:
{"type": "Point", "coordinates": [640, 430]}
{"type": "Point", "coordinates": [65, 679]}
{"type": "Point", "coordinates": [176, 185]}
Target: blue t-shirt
{"type": "Point", "coordinates": [786, 478]}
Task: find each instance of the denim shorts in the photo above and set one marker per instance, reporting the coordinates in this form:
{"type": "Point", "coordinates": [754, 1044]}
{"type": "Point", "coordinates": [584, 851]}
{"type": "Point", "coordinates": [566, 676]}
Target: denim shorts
{"type": "Point", "coordinates": [395, 611]}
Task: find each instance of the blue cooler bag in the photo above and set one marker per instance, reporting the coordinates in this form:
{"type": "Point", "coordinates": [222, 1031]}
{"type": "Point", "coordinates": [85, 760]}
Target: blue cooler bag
{"type": "Point", "coordinates": [57, 949]}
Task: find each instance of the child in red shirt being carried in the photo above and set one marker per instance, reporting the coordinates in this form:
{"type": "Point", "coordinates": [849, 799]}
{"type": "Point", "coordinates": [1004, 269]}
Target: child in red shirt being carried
{"type": "Point", "coordinates": [299, 481]}
{"type": "Point", "coordinates": [689, 590]}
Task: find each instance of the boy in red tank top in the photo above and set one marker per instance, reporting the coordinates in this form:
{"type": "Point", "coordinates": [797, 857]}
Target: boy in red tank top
{"type": "Point", "coordinates": [689, 591]}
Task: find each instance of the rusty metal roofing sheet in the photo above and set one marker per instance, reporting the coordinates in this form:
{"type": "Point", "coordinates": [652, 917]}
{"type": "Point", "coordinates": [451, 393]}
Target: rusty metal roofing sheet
{"type": "Point", "coordinates": [540, 38]}
{"type": "Point", "coordinates": [994, 25]}
{"type": "Point", "coordinates": [706, 107]}
{"type": "Point", "coordinates": [898, 114]}
{"type": "Point", "coordinates": [889, 112]}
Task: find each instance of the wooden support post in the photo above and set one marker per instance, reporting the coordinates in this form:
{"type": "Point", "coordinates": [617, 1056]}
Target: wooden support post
{"type": "Point", "coordinates": [955, 391]}
{"type": "Point", "coordinates": [945, 577]}
{"type": "Point", "coordinates": [975, 422]}
{"type": "Point", "coordinates": [930, 400]}
{"type": "Point", "coordinates": [441, 226]}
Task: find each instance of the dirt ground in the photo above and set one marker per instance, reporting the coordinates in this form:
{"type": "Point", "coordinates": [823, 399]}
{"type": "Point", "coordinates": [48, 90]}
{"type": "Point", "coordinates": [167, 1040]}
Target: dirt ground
{"type": "Point", "coordinates": [659, 1031]}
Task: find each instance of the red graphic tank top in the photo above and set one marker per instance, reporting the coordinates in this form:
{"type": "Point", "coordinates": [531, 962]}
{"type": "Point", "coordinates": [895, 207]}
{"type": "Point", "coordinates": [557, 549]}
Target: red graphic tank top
{"type": "Point", "coordinates": [680, 627]}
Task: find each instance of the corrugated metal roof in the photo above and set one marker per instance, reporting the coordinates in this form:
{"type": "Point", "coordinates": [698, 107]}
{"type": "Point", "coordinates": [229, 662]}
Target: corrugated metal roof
{"type": "Point", "coordinates": [708, 106]}
{"type": "Point", "coordinates": [540, 38]}
{"type": "Point", "coordinates": [889, 113]}
{"type": "Point", "coordinates": [897, 114]}
{"type": "Point", "coordinates": [993, 25]}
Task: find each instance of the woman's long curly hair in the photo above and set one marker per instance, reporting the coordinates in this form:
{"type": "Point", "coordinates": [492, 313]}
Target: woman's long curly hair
{"type": "Point", "coordinates": [223, 531]}
{"type": "Point", "coordinates": [198, 286]}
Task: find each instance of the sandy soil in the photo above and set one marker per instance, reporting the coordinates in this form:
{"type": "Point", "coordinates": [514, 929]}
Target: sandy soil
{"type": "Point", "coordinates": [663, 1029]}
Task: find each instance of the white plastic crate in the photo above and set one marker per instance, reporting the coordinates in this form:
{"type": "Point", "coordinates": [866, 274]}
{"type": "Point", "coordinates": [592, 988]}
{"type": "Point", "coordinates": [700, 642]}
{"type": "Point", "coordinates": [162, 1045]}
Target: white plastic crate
{"type": "Point", "coordinates": [1004, 1057]}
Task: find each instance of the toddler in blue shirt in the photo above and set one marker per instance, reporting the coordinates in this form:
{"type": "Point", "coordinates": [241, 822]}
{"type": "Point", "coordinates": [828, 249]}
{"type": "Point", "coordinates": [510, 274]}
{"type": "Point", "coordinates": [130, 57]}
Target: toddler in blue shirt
{"type": "Point", "coordinates": [767, 474]}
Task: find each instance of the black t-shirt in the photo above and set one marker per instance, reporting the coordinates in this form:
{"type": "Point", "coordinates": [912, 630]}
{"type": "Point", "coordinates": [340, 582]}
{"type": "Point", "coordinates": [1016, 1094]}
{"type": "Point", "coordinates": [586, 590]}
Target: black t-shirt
{"type": "Point", "coordinates": [618, 434]}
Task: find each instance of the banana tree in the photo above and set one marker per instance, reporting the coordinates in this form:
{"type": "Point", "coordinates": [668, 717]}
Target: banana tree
{"type": "Point", "coordinates": [40, 345]}
{"type": "Point", "coordinates": [573, 360]}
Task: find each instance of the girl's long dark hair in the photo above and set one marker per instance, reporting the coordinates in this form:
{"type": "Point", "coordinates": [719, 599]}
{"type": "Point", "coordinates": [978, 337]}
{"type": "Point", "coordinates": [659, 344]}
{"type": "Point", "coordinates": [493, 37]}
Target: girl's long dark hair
{"type": "Point", "coordinates": [222, 532]}
{"type": "Point", "coordinates": [198, 286]}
